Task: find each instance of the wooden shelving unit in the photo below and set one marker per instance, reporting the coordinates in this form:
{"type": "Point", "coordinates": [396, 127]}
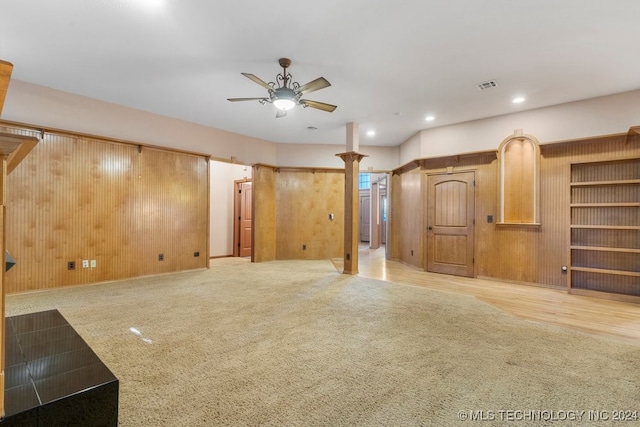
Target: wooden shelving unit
{"type": "Point", "coordinates": [605, 229]}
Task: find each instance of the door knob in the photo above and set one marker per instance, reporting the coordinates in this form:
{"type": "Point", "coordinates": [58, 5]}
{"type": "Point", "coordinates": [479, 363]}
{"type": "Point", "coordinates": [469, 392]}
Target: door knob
{"type": "Point", "coordinates": [429, 228]}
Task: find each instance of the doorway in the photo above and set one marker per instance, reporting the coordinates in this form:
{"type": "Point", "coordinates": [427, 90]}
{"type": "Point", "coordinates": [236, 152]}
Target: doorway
{"type": "Point", "coordinates": [242, 233]}
{"type": "Point", "coordinates": [450, 223]}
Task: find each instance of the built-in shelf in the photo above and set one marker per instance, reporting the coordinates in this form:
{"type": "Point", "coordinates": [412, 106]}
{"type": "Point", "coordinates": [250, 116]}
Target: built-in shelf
{"type": "Point", "coordinates": [605, 205]}
{"type": "Point", "coordinates": [599, 183]}
{"type": "Point", "coordinates": [605, 228]}
{"type": "Point", "coordinates": [607, 271]}
{"type": "Point", "coordinates": [606, 249]}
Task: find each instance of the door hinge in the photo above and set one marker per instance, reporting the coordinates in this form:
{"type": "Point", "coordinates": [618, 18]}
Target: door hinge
{"type": "Point", "coordinates": [240, 190]}
{"type": "Point", "coordinates": [239, 219]}
{"type": "Point", "coordinates": [474, 182]}
{"type": "Point", "coordinates": [238, 244]}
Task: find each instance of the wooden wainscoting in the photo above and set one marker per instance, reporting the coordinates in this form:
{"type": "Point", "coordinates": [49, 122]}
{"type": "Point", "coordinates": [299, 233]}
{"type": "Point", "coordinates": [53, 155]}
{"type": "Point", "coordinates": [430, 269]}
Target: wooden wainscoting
{"type": "Point", "coordinates": [264, 213]}
{"type": "Point", "coordinates": [304, 200]}
{"type": "Point", "coordinates": [291, 213]}
{"type": "Point", "coordinates": [76, 198]}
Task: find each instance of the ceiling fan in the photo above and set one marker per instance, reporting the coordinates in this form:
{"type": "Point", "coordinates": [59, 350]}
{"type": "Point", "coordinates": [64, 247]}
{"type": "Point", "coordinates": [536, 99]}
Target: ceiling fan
{"type": "Point", "coordinates": [286, 94]}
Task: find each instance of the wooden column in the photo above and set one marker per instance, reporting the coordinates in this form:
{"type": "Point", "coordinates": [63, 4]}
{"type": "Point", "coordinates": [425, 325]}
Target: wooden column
{"type": "Point", "coordinates": [351, 198]}
{"type": "Point", "coordinates": [351, 210]}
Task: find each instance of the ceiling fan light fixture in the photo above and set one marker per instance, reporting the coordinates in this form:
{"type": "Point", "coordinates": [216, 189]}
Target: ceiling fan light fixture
{"type": "Point", "coordinates": [284, 104]}
{"type": "Point", "coordinates": [284, 98]}
{"type": "Point", "coordinates": [285, 93]}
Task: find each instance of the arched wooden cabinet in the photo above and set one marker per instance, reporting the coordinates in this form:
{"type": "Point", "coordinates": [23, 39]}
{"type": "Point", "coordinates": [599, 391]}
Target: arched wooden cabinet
{"type": "Point", "coordinates": [519, 180]}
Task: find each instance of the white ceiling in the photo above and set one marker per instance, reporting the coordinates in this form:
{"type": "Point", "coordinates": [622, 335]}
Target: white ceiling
{"type": "Point", "coordinates": [391, 62]}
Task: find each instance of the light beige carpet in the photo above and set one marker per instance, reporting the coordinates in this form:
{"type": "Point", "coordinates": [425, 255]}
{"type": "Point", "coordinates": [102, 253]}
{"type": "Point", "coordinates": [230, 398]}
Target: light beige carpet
{"type": "Point", "coordinates": [296, 343]}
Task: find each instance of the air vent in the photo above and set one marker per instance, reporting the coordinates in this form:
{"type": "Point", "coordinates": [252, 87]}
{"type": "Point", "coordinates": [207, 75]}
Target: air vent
{"type": "Point", "coordinates": [487, 85]}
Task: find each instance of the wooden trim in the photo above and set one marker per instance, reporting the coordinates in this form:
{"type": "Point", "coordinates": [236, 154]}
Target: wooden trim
{"type": "Point", "coordinates": [232, 160]}
{"type": "Point", "coordinates": [6, 68]}
{"type": "Point", "coordinates": [608, 227]}
{"type": "Point", "coordinates": [424, 161]}
{"type": "Point", "coordinates": [10, 143]}
{"type": "Point", "coordinates": [612, 160]}
{"type": "Point", "coordinates": [603, 183]}
{"type": "Point", "coordinates": [633, 132]}
{"type": "Point", "coordinates": [607, 271]}
{"type": "Point", "coordinates": [581, 140]}
{"type": "Point", "coordinates": [606, 249]}
{"type": "Point", "coordinates": [604, 205]}
{"type": "Point", "coordinates": [307, 169]}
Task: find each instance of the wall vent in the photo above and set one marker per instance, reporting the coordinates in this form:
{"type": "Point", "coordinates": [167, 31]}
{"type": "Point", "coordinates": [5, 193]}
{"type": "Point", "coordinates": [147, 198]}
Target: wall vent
{"type": "Point", "coordinates": [487, 85]}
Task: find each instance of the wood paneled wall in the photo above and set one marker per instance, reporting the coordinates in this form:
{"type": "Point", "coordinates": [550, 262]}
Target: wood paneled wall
{"type": "Point", "coordinates": [292, 208]}
{"type": "Point", "coordinates": [76, 198]}
{"type": "Point", "coordinates": [406, 219]}
{"type": "Point", "coordinates": [304, 201]}
{"type": "Point", "coordinates": [521, 253]}
{"type": "Point", "coordinates": [264, 213]}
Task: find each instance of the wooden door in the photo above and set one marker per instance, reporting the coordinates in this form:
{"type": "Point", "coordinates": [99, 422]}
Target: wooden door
{"type": "Point", "coordinates": [365, 217]}
{"type": "Point", "coordinates": [244, 219]}
{"type": "Point", "coordinates": [383, 218]}
{"type": "Point", "coordinates": [450, 223]}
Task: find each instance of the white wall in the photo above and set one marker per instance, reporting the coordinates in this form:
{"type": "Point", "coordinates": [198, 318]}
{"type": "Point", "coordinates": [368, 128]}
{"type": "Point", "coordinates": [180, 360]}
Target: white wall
{"type": "Point", "coordinates": [41, 106]}
{"type": "Point", "coordinates": [221, 213]}
{"type": "Point", "coordinates": [597, 116]}
{"type": "Point", "coordinates": [378, 158]}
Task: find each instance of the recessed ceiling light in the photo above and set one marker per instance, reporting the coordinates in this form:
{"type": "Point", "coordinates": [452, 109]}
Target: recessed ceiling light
{"type": "Point", "coordinates": [518, 100]}
{"type": "Point", "coordinates": [371, 133]}
{"type": "Point", "coordinates": [430, 118]}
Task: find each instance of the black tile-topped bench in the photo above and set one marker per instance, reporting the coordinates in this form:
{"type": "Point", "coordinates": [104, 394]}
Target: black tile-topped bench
{"type": "Point", "coordinates": [53, 378]}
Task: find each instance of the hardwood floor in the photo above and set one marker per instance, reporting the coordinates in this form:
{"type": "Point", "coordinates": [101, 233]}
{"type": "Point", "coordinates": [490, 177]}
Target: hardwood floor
{"type": "Point", "coordinates": [552, 306]}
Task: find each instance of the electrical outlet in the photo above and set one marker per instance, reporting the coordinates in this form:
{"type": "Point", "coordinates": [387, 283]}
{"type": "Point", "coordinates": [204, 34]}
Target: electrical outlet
{"type": "Point", "coordinates": [71, 265]}
{"type": "Point", "coordinates": [160, 257]}
{"type": "Point", "coordinates": [196, 254]}
{"type": "Point", "coordinates": [93, 263]}
{"type": "Point", "coordinates": [304, 247]}
{"type": "Point", "coordinates": [85, 263]}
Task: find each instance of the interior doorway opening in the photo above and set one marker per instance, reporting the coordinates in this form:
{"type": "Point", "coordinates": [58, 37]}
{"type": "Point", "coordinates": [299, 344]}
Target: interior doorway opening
{"type": "Point", "coordinates": [373, 204]}
{"type": "Point", "coordinates": [243, 218]}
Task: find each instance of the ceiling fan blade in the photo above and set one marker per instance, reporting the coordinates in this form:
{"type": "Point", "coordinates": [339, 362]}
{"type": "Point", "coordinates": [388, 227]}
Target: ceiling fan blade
{"type": "Point", "coordinates": [281, 113]}
{"type": "Point", "coordinates": [258, 80]}
{"type": "Point", "coordinates": [317, 84]}
{"type": "Point", "coordinates": [246, 99]}
{"type": "Point", "coordinates": [319, 105]}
